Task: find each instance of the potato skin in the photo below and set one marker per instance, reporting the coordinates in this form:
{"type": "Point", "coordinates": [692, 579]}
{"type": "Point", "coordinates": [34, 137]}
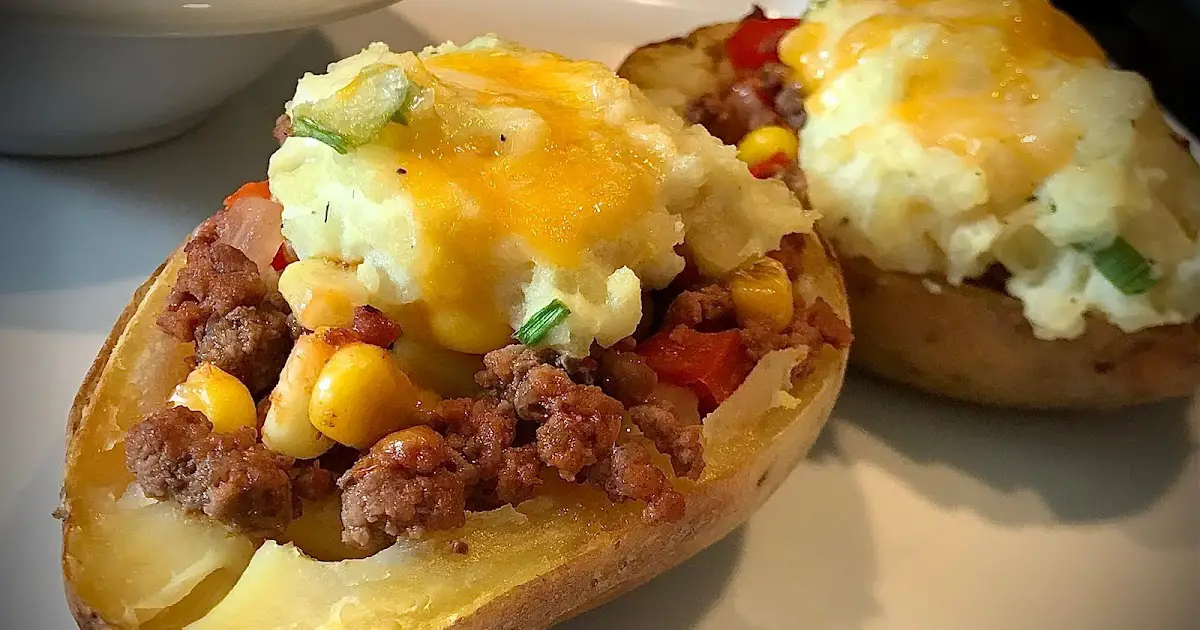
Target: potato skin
{"type": "Point", "coordinates": [642, 551]}
{"type": "Point", "coordinates": [676, 71]}
{"type": "Point", "coordinates": [975, 344]}
{"type": "Point", "coordinates": [85, 617]}
{"type": "Point", "coordinates": [965, 342]}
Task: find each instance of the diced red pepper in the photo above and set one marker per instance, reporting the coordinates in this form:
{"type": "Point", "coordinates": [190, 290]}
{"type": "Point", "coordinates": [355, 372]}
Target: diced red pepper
{"type": "Point", "coordinates": [712, 365]}
{"type": "Point", "coordinates": [262, 190]}
{"type": "Point", "coordinates": [755, 43]}
{"type": "Point", "coordinates": [374, 327]}
{"type": "Point", "coordinates": [771, 166]}
{"type": "Point", "coordinates": [280, 261]}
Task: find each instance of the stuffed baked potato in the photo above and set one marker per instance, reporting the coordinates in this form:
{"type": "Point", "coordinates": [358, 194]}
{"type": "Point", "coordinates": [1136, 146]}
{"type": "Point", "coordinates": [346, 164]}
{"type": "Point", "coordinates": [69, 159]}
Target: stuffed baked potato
{"type": "Point", "coordinates": [982, 175]}
{"type": "Point", "coordinates": [303, 428]}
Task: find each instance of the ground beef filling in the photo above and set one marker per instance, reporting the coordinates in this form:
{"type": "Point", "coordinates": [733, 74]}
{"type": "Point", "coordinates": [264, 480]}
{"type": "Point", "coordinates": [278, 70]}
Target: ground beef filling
{"type": "Point", "coordinates": [767, 96]}
{"type": "Point", "coordinates": [221, 303]}
{"type": "Point", "coordinates": [708, 307]}
{"type": "Point", "coordinates": [534, 417]}
{"type": "Point", "coordinates": [484, 430]}
{"type": "Point", "coordinates": [539, 414]}
{"type": "Point", "coordinates": [578, 426]}
{"type": "Point", "coordinates": [174, 454]}
{"type": "Point", "coordinates": [405, 484]}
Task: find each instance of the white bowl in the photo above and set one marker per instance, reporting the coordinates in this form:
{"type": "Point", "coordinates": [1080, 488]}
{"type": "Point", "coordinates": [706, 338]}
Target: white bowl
{"type": "Point", "coordinates": [87, 77]}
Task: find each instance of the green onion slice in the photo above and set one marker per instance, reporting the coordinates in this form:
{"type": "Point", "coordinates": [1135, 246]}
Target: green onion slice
{"type": "Point", "coordinates": [400, 116]}
{"type": "Point", "coordinates": [1123, 266]}
{"type": "Point", "coordinates": [306, 127]}
{"type": "Point", "coordinates": [535, 328]}
{"type": "Point", "coordinates": [354, 115]}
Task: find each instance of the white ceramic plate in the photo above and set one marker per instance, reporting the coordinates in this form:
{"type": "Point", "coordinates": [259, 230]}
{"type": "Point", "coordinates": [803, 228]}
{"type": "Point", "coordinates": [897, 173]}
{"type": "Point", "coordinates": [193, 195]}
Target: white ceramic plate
{"type": "Point", "coordinates": [912, 513]}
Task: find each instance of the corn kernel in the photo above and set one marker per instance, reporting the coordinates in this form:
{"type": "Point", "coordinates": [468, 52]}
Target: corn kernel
{"type": "Point", "coordinates": [415, 438]}
{"type": "Point", "coordinates": [762, 292]}
{"type": "Point", "coordinates": [286, 429]}
{"type": "Point", "coordinates": [361, 396]}
{"type": "Point", "coordinates": [221, 397]}
{"type": "Point", "coordinates": [792, 47]}
{"type": "Point", "coordinates": [321, 292]}
{"type": "Point", "coordinates": [471, 333]}
{"type": "Point", "coordinates": [761, 144]}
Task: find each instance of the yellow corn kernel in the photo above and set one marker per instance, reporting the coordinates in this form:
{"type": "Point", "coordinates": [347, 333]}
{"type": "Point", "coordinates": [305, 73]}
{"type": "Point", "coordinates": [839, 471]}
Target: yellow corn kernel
{"type": "Point", "coordinates": [759, 145]}
{"type": "Point", "coordinates": [322, 292]}
{"type": "Point", "coordinates": [762, 292]}
{"type": "Point", "coordinates": [361, 396]}
{"type": "Point", "coordinates": [469, 332]}
{"type": "Point", "coordinates": [286, 429]}
{"type": "Point", "coordinates": [799, 49]}
{"type": "Point", "coordinates": [221, 397]}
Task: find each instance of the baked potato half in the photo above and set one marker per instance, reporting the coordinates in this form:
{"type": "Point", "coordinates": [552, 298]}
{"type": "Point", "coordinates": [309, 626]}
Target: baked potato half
{"type": "Point", "coordinates": [133, 563]}
{"type": "Point", "coordinates": [969, 341]}
{"type": "Point", "coordinates": [270, 440]}
{"type": "Point", "coordinates": [973, 343]}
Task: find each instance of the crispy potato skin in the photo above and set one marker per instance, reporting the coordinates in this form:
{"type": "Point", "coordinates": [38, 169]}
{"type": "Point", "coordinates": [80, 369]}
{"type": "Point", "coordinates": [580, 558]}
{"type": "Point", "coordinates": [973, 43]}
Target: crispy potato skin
{"type": "Point", "coordinates": [676, 71]}
{"type": "Point", "coordinates": [975, 344]}
{"type": "Point", "coordinates": [964, 342]}
{"type": "Point", "coordinates": [642, 551]}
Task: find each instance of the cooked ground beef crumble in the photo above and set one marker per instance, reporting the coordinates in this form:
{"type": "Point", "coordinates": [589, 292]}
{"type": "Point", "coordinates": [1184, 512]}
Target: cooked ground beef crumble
{"type": "Point", "coordinates": [537, 413]}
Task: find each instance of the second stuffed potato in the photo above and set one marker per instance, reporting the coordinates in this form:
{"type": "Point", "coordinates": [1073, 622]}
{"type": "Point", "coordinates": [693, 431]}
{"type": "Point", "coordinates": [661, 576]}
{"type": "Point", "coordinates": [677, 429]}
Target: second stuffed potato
{"type": "Point", "coordinates": [1018, 224]}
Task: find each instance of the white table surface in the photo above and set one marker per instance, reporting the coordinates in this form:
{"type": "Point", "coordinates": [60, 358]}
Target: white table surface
{"type": "Point", "coordinates": [911, 513]}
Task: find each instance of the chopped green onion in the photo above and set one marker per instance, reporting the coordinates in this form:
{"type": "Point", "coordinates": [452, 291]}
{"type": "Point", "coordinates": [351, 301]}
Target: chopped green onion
{"type": "Point", "coordinates": [535, 328]}
{"type": "Point", "coordinates": [308, 128]}
{"type": "Point", "coordinates": [406, 107]}
{"type": "Point", "coordinates": [356, 114]}
{"type": "Point", "coordinates": [1123, 266]}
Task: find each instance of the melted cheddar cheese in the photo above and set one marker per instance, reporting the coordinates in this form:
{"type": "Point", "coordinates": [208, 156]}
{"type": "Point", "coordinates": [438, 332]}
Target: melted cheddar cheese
{"type": "Point", "coordinates": [948, 135]}
{"type": "Point", "coordinates": [972, 88]}
{"type": "Point", "coordinates": [520, 177]}
{"type": "Point", "coordinates": [559, 138]}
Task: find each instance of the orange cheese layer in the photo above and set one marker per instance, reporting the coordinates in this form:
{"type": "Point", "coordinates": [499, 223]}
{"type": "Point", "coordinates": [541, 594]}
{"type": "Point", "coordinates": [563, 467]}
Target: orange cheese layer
{"type": "Point", "coordinates": [579, 182]}
{"type": "Point", "coordinates": [972, 88]}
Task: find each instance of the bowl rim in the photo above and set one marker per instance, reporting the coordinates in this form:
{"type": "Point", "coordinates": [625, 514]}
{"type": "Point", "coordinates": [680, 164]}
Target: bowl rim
{"type": "Point", "coordinates": [181, 18]}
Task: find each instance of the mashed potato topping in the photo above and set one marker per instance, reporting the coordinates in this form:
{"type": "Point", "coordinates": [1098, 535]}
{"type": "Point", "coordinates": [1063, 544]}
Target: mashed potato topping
{"type": "Point", "coordinates": [511, 179]}
{"type": "Point", "coordinates": [947, 135]}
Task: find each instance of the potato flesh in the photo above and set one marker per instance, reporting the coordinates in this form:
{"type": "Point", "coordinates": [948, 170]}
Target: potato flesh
{"type": "Point", "coordinates": [318, 532]}
{"type": "Point", "coordinates": [129, 559]}
{"type": "Point", "coordinates": [410, 585]}
{"type": "Point", "coordinates": [148, 558]}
